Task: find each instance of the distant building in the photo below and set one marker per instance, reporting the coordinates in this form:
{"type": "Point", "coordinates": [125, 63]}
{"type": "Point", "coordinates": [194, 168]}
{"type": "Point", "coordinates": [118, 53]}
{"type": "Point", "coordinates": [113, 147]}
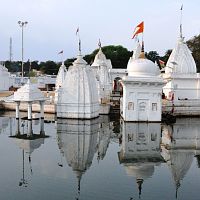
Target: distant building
{"type": "Point", "coordinates": [5, 78]}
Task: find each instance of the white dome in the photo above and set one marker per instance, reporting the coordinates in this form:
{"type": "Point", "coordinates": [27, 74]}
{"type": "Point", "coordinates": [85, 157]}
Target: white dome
{"type": "Point", "coordinates": [181, 60]}
{"type": "Point", "coordinates": [142, 67]}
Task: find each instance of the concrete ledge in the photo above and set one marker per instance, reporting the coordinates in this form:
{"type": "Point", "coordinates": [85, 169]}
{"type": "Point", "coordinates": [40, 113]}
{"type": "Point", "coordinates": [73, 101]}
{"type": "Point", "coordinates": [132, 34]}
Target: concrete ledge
{"type": "Point", "coordinates": [48, 108]}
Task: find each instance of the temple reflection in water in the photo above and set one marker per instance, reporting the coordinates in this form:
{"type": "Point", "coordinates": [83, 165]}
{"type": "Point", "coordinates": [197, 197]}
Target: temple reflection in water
{"type": "Point", "coordinates": [180, 144]}
{"type": "Point", "coordinates": [79, 140]}
{"type": "Point", "coordinates": [140, 151]}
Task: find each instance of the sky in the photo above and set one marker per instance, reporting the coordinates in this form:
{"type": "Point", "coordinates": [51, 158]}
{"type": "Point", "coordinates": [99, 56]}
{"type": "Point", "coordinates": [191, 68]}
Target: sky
{"type": "Point", "coordinates": [52, 25]}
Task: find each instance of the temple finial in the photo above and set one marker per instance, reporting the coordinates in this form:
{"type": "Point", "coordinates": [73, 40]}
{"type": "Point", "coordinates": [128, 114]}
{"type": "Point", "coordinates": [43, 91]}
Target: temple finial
{"type": "Point", "coordinates": [99, 44]}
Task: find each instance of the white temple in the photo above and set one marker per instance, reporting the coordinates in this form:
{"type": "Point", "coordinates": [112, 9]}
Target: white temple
{"type": "Point", "coordinates": [182, 87]}
{"type": "Point", "coordinates": [142, 90]}
{"type": "Point", "coordinates": [101, 67]}
{"type": "Point", "coordinates": [78, 96]}
{"type": "Point", "coordinates": [5, 78]}
{"type": "Point", "coordinates": [181, 74]}
{"type": "Point", "coordinates": [60, 80]}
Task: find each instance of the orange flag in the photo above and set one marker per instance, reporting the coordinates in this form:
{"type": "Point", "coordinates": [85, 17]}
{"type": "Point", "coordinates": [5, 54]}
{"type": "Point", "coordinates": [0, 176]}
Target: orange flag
{"type": "Point", "coordinates": [139, 29]}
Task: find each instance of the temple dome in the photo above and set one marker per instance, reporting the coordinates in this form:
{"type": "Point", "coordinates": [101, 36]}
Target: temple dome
{"type": "Point", "coordinates": [142, 67]}
{"type": "Point", "coordinates": [181, 60]}
{"type": "Point", "coordinates": [100, 59]}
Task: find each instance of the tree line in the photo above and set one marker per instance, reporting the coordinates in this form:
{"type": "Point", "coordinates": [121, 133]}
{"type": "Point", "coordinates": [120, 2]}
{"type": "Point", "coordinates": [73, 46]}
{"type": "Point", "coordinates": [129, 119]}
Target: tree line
{"type": "Point", "coordinates": [118, 55]}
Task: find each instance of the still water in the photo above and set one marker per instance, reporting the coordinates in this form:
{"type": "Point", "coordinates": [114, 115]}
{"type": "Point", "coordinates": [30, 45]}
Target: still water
{"type": "Point", "coordinates": [99, 159]}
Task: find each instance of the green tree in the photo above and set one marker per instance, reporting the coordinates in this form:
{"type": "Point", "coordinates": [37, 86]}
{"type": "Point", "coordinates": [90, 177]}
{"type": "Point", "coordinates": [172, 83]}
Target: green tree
{"type": "Point", "coordinates": [49, 67]}
{"type": "Point", "coordinates": [194, 45]}
{"type": "Point", "coordinates": [152, 55]}
{"type": "Point", "coordinates": [118, 55]}
{"type": "Point", "coordinates": [69, 62]}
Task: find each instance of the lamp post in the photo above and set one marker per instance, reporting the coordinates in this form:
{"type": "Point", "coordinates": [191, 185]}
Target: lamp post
{"type": "Point", "coordinates": [22, 25]}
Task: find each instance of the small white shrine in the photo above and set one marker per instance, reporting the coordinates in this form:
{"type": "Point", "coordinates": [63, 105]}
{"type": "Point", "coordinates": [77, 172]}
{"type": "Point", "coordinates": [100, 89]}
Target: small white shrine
{"type": "Point", "coordinates": [29, 93]}
{"type": "Point", "coordinates": [78, 96]}
{"type": "Point", "coordinates": [101, 67]}
{"type": "Point", "coordinates": [5, 78]}
{"type": "Point", "coordinates": [142, 90]}
{"type": "Point", "coordinates": [60, 80]}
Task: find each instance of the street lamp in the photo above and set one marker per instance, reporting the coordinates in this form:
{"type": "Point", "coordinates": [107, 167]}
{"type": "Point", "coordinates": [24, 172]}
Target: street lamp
{"type": "Point", "coordinates": [22, 25]}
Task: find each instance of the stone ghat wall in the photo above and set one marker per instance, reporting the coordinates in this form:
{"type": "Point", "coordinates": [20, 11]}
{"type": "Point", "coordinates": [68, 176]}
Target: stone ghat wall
{"type": "Point", "coordinates": [48, 108]}
{"type": "Point", "coordinates": [181, 107]}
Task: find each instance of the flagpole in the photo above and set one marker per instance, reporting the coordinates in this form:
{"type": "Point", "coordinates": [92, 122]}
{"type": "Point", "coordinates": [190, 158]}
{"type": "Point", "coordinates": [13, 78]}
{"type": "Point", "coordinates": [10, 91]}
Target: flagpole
{"type": "Point", "coordinates": [61, 56]}
{"type": "Point", "coordinates": [142, 37]}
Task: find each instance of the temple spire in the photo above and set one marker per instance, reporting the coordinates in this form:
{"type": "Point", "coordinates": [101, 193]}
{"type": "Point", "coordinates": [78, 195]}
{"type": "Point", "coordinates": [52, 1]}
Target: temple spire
{"type": "Point", "coordinates": [79, 40]}
{"type": "Point", "coordinates": [142, 54]}
{"type": "Point", "coordinates": [99, 44]}
{"type": "Point", "coordinates": [181, 30]}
